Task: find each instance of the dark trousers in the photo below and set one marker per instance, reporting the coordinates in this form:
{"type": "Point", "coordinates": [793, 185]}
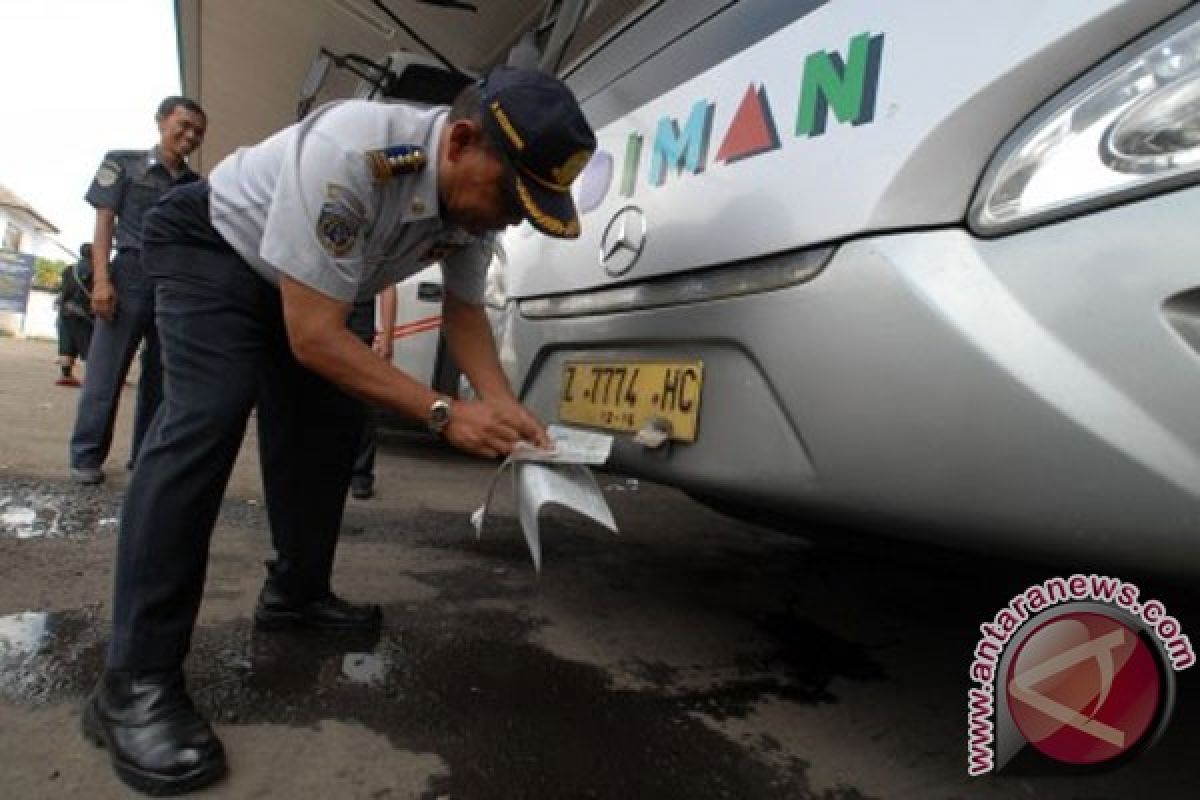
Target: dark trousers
{"type": "Point", "coordinates": [361, 323]}
{"type": "Point", "coordinates": [109, 355]}
{"type": "Point", "coordinates": [363, 474]}
{"type": "Point", "coordinates": [74, 335]}
{"type": "Point", "coordinates": [225, 350]}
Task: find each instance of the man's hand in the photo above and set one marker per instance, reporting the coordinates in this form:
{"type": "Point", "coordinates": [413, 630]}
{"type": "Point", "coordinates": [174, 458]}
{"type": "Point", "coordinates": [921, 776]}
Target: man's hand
{"type": "Point", "coordinates": [104, 299]}
{"type": "Point", "coordinates": [518, 416]}
{"type": "Point", "coordinates": [104, 294]}
{"type": "Point", "coordinates": [491, 429]}
{"type": "Point", "coordinates": [382, 345]}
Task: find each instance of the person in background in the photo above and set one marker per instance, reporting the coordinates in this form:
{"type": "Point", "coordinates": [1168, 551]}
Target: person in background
{"type": "Point", "coordinates": [127, 183]}
{"type": "Point", "coordinates": [74, 304]}
{"type": "Point", "coordinates": [362, 322]}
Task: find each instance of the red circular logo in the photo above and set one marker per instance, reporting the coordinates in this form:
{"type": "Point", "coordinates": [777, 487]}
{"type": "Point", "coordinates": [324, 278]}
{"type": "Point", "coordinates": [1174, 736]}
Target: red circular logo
{"type": "Point", "coordinates": [1084, 688]}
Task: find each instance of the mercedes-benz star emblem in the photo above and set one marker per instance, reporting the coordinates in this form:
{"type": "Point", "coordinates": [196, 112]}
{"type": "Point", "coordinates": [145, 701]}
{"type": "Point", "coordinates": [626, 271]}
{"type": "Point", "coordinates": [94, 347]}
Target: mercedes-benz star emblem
{"type": "Point", "coordinates": [623, 240]}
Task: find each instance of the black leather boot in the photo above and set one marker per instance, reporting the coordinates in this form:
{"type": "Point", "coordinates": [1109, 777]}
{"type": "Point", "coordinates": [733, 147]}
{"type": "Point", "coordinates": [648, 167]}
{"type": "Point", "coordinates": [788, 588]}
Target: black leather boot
{"type": "Point", "coordinates": [159, 744]}
{"type": "Point", "coordinates": [276, 611]}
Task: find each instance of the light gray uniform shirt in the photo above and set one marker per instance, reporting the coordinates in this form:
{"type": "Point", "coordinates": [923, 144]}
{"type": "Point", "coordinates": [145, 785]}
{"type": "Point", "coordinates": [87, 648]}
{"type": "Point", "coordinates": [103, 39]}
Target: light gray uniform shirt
{"type": "Point", "coordinates": [314, 203]}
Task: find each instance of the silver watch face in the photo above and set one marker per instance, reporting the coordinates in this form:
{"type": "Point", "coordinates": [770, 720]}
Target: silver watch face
{"type": "Point", "coordinates": [439, 415]}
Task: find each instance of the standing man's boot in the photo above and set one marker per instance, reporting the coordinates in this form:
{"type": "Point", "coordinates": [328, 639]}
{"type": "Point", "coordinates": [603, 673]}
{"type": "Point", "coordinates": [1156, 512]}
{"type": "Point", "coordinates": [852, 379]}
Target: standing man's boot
{"type": "Point", "coordinates": [157, 741]}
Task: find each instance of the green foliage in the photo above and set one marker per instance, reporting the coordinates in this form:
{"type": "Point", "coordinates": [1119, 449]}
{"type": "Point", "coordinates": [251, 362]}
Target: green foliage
{"type": "Point", "coordinates": [47, 274]}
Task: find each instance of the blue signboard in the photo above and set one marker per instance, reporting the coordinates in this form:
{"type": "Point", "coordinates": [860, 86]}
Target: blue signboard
{"type": "Point", "coordinates": [16, 275]}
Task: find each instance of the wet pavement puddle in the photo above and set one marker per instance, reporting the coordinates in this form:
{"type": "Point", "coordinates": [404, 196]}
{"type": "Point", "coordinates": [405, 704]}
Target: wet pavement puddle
{"type": "Point", "coordinates": [510, 718]}
{"type": "Point", "coordinates": [48, 657]}
{"type": "Point", "coordinates": [35, 511]}
{"type": "Point", "coordinates": [25, 522]}
{"type": "Point", "coordinates": [368, 669]}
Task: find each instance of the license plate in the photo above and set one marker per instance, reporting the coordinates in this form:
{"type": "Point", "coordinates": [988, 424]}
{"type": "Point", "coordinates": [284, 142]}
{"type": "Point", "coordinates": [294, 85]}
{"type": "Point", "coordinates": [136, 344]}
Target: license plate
{"type": "Point", "coordinates": [625, 395]}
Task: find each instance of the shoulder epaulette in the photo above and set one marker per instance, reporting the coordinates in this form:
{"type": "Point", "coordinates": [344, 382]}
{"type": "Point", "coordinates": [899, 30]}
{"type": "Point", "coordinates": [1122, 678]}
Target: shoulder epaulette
{"type": "Point", "coordinates": [401, 159]}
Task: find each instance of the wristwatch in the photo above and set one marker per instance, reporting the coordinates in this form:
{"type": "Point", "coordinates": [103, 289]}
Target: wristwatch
{"type": "Point", "coordinates": [439, 415]}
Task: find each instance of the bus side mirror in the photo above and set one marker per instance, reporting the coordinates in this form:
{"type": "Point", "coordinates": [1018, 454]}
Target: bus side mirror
{"type": "Point", "coordinates": [313, 80]}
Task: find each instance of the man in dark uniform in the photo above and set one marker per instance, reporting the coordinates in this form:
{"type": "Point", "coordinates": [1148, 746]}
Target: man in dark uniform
{"type": "Point", "coordinates": [255, 273]}
{"type": "Point", "coordinates": [127, 183]}
{"type": "Point", "coordinates": [74, 304]}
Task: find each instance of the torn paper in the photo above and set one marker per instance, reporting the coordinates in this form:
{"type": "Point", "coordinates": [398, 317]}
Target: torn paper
{"type": "Point", "coordinates": [559, 476]}
{"type": "Point", "coordinates": [569, 485]}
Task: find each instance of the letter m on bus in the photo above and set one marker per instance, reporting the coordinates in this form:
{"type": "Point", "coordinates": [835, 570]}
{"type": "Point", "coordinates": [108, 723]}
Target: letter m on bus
{"type": "Point", "coordinates": [683, 150]}
{"type": "Point", "coordinates": [846, 85]}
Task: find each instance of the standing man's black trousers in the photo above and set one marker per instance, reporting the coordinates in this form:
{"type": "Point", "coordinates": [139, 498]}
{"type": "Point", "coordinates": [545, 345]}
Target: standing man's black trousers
{"type": "Point", "coordinates": [224, 351]}
{"type": "Point", "coordinates": [111, 350]}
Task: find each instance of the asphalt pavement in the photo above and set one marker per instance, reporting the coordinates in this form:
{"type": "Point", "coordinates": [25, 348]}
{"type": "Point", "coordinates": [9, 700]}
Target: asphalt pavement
{"type": "Point", "coordinates": [690, 656]}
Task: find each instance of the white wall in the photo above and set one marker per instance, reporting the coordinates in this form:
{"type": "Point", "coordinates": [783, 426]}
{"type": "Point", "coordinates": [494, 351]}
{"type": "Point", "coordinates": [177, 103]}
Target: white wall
{"type": "Point", "coordinates": [40, 320]}
{"type": "Point", "coordinates": [50, 247]}
{"type": "Point", "coordinates": [34, 240]}
{"type": "Point", "coordinates": [21, 222]}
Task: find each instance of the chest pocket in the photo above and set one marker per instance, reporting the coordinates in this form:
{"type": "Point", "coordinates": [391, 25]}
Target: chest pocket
{"type": "Point", "coordinates": [141, 193]}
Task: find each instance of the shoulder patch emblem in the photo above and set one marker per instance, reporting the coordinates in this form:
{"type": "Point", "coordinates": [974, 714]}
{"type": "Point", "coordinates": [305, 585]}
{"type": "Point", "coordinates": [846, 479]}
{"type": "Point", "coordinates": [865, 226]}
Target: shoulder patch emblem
{"type": "Point", "coordinates": [108, 173]}
{"type": "Point", "coordinates": [340, 221]}
{"type": "Point", "coordinates": [401, 159]}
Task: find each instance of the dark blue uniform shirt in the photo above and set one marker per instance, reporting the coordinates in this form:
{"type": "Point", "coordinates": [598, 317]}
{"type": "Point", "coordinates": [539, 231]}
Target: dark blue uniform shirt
{"type": "Point", "coordinates": [129, 182]}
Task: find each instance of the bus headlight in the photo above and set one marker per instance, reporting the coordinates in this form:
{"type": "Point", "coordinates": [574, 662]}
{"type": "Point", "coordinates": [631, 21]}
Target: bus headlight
{"type": "Point", "coordinates": [1130, 128]}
